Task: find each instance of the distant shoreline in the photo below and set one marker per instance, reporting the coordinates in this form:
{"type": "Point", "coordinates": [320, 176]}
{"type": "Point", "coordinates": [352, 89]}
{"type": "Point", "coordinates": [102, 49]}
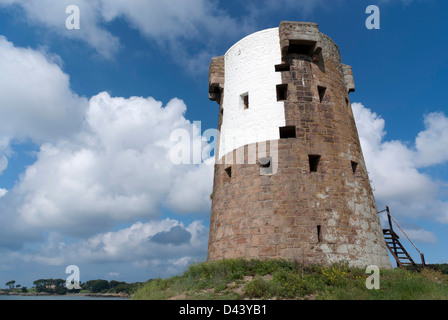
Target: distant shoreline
{"type": "Point", "coordinates": [46, 294]}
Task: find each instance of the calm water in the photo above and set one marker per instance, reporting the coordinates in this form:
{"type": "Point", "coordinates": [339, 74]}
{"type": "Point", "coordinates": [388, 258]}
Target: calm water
{"type": "Point", "coordinates": [67, 297]}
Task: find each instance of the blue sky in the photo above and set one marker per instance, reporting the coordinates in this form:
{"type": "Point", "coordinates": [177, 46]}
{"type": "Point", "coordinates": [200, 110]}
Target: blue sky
{"type": "Point", "coordinates": [86, 117]}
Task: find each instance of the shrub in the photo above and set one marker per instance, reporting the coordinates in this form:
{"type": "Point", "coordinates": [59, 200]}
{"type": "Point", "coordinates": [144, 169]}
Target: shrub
{"type": "Point", "coordinates": [335, 274]}
{"type": "Point", "coordinates": [259, 288]}
{"type": "Point", "coordinates": [290, 284]}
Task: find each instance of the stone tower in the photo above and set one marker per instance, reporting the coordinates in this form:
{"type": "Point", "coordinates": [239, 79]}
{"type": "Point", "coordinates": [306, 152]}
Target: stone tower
{"type": "Point", "coordinates": [290, 179]}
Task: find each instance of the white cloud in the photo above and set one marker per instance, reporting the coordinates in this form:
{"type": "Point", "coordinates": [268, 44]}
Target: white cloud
{"type": "Point", "coordinates": [51, 15]}
{"type": "Point", "coordinates": [420, 235]}
{"type": "Point", "coordinates": [168, 20]}
{"type": "Point", "coordinates": [36, 99]}
{"type": "Point", "coordinates": [116, 169]}
{"type": "Point", "coordinates": [432, 143]}
{"type": "Point", "coordinates": [133, 243]}
{"type": "Point", "coordinates": [396, 168]}
{"type": "Point", "coordinates": [391, 164]}
{"type": "Point", "coordinates": [100, 162]}
{"type": "Point", "coordinates": [3, 163]}
{"type": "Point", "coordinates": [183, 198]}
{"type": "Point", "coordinates": [168, 23]}
{"type": "Point", "coordinates": [124, 248]}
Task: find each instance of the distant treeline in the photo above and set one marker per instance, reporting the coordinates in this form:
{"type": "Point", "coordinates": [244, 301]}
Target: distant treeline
{"type": "Point", "coordinates": [58, 286]}
{"type": "Point", "coordinates": [439, 267]}
{"type": "Point", "coordinates": [55, 286]}
{"type": "Point", "coordinates": [104, 286]}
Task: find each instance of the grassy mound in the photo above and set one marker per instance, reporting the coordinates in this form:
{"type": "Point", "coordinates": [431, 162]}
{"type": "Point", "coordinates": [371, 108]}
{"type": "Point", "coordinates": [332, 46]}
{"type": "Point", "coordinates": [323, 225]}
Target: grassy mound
{"type": "Point", "coordinates": [281, 279]}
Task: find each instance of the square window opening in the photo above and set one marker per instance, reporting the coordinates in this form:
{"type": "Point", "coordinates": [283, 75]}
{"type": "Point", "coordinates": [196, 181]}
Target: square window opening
{"type": "Point", "coordinates": [314, 161]}
{"type": "Point", "coordinates": [301, 47]}
{"type": "Point", "coordinates": [287, 132]}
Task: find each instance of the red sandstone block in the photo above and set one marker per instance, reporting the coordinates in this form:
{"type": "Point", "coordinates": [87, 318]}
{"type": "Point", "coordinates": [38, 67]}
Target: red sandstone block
{"type": "Point", "coordinates": [257, 240]}
{"type": "Point", "coordinates": [242, 240]}
{"type": "Point", "coordinates": [267, 251]}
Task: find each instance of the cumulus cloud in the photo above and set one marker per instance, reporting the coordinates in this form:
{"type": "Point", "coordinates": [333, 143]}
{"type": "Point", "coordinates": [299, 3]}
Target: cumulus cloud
{"type": "Point", "coordinates": [421, 235]}
{"type": "Point", "coordinates": [52, 15]}
{"type": "Point", "coordinates": [431, 144]}
{"type": "Point", "coordinates": [100, 162]}
{"type": "Point", "coordinates": [396, 169]}
{"type": "Point", "coordinates": [36, 99]}
{"type": "Point", "coordinates": [132, 246]}
{"type": "Point", "coordinates": [117, 169]}
{"type": "Point", "coordinates": [170, 20]}
{"type": "Point", "coordinates": [168, 23]}
{"type": "Point", "coordinates": [176, 235]}
{"type": "Point", "coordinates": [3, 163]}
{"type": "Point", "coordinates": [37, 105]}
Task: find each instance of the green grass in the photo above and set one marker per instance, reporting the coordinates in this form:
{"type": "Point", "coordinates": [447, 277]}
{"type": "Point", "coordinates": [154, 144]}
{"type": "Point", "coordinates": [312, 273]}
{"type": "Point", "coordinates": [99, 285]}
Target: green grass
{"type": "Point", "coordinates": [282, 279]}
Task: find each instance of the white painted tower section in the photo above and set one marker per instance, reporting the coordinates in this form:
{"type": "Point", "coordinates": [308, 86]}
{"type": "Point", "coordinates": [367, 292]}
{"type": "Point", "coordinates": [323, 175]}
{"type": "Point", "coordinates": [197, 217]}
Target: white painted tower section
{"type": "Point", "coordinates": [250, 70]}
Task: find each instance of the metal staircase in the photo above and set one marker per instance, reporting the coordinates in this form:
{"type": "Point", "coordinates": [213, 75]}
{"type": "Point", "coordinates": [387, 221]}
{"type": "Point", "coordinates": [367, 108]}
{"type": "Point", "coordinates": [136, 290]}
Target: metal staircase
{"type": "Point", "coordinates": [393, 244]}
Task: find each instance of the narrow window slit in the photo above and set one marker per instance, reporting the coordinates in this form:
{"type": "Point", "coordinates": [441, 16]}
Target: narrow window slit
{"type": "Point", "coordinates": [319, 234]}
{"type": "Point", "coordinates": [314, 162]}
{"type": "Point", "coordinates": [354, 167]}
{"type": "Point", "coordinates": [229, 172]}
{"type": "Point", "coordinates": [244, 101]}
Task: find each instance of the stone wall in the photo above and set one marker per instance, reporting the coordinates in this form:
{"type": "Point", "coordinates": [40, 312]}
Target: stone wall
{"type": "Point", "coordinates": [317, 205]}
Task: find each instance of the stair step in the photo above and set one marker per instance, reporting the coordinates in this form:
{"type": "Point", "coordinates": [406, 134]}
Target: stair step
{"type": "Point", "coordinates": [395, 247]}
{"type": "Point", "coordinates": [402, 253]}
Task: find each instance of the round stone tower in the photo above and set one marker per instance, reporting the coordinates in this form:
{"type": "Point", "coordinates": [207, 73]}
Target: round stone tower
{"type": "Point", "coordinates": [290, 179]}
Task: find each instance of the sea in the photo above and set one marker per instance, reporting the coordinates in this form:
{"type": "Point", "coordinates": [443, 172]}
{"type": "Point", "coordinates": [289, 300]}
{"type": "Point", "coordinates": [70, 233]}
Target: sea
{"type": "Point", "coordinates": [64, 297]}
